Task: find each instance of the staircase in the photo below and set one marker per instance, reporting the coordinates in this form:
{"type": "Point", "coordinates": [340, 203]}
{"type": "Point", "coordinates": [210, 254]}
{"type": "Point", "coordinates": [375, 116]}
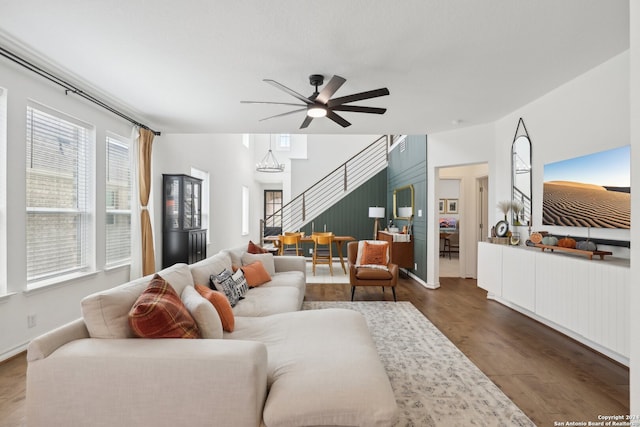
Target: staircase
{"type": "Point", "coordinates": [330, 189]}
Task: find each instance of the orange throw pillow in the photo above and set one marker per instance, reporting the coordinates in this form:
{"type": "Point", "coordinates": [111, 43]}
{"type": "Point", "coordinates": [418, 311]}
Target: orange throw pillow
{"type": "Point", "coordinates": [374, 254]}
{"type": "Point", "coordinates": [252, 248]}
{"type": "Point", "coordinates": [160, 313]}
{"type": "Point", "coordinates": [255, 273]}
{"type": "Point", "coordinates": [221, 304]}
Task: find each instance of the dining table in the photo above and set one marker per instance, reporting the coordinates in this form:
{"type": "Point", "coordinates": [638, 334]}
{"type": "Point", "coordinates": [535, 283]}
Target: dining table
{"type": "Point", "coordinates": [338, 240]}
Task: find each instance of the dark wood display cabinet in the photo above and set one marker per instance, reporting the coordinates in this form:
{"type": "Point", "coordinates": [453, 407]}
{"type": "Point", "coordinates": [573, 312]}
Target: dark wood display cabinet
{"type": "Point", "coordinates": [183, 238]}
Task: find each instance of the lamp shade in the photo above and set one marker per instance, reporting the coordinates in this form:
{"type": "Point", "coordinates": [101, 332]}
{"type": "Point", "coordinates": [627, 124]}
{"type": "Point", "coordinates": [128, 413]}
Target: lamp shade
{"type": "Point", "coordinates": [376, 212]}
{"type": "Point", "coordinates": [405, 212]}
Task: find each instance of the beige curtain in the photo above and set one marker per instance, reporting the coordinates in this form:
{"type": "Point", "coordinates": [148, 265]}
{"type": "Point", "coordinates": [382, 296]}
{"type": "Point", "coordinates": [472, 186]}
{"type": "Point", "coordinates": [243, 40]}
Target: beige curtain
{"type": "Point", "coordinates": [144, 182]}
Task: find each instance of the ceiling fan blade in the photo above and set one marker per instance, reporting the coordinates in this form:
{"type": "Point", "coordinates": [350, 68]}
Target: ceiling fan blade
{"type": "Point", "coordinates": [338, 119]}
{"type": "Point", "coordinates": [269, 102]}
{"type": "Point", "coordinates": [358, 109]}
{"type": "Point", "coordinates": [306, 122]}
{"type": "Point", "coordinates": [289, 91]}
{"type": "Point", "coordinates": [330, 88]}
{"type": "Point", "coordinates": [358, 97]}
{"type": "Point", "coordinates": [283, 114]}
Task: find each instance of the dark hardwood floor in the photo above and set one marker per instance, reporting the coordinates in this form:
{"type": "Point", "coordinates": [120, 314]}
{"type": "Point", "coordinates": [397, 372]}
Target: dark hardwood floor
{"type": "Point", "coordinates": [549, 376]}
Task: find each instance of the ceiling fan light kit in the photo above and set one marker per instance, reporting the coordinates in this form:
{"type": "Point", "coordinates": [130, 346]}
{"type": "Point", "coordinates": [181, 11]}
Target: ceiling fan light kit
{"type": "Point", "coordinates": [320, 104]}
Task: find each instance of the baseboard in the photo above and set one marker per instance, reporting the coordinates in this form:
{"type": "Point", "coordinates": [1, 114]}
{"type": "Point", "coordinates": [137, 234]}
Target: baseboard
{"type": "Point", "coordinates": [422, 282]}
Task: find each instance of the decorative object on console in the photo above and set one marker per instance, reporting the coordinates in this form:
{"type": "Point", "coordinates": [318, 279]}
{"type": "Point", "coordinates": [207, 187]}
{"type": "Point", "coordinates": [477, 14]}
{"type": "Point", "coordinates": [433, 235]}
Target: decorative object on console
{"type": "Point", "coordinates": [505, 207]}
{"type": "Point", "coordinates": [406, 212]}
{"type": "Point", "coordinates": [550, 241]}
{"type": "Point", "coordinates": [269, 162]}
{"type": "Point", "coordinates": [567, 242]}
{"type": "Point", "coordinates": [376, 213]}
{"type": "Point", "coordinates": [502, 228]}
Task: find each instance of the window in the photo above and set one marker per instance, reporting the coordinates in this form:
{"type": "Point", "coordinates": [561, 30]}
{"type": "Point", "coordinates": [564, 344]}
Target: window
{"type": "Point", "coordinates": [245, 210]}
{"type": "Point", "coordinates": [204, 209]}
{"type": "Point", "coordinates": [284, 142]}
{"type": "Point", "coordinates": [58, 195]}
{"type": "Point", "coordinates": [272, 208]}
{"type": "Point", "coordinates": [118, 194]}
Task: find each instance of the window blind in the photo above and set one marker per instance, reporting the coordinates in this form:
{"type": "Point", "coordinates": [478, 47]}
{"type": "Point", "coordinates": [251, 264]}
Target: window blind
{"type": "Point", "coordinates": [58, 174]}
{"type": "Point", "coordinates": [118, 203]}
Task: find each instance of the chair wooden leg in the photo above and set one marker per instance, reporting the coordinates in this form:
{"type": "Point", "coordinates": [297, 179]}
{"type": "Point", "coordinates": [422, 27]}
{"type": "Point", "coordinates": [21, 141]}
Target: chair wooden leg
{"type": "Point", "coordinates": [393, 289]}
{"type": "Point", "coordinates": [353, 291]}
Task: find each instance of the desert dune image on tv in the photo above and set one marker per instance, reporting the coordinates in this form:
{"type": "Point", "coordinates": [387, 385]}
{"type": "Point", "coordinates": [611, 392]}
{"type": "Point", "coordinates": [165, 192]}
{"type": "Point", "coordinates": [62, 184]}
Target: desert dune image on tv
{"type": "Point", "coordinates": [589, 191]}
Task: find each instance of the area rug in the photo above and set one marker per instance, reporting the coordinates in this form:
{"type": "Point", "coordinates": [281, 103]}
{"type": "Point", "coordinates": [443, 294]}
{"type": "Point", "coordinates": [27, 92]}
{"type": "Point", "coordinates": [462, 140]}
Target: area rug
{"type": "Point", "coordinates": [435, 384]}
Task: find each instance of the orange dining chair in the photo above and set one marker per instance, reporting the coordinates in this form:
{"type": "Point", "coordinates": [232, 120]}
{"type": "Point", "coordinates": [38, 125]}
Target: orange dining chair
{"type": "Point", "coordinates": [322, 250]}
{"type": "Point", "coordinates": [290, 244]}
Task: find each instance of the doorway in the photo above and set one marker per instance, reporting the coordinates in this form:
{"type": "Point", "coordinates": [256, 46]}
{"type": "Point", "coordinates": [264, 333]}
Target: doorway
{"type": "Point", "coordinates": [450, 211]}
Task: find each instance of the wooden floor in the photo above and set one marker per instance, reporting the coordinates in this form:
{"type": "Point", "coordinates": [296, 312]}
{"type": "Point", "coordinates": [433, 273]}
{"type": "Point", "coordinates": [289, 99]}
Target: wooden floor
{"type": "Point", "coordinates": [549, 376]}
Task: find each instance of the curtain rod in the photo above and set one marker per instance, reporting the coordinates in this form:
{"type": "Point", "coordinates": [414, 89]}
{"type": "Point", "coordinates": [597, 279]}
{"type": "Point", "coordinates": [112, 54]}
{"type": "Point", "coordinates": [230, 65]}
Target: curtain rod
{"type": "Point", "coordinates": [68, 87]}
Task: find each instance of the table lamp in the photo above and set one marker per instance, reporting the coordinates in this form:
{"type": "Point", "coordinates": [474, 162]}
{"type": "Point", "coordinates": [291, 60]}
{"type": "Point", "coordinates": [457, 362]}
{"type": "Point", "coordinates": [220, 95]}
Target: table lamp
{"type": "Point", "coordinates": [376, 213]}
{"type": "Point", "coordinates": [406, 212]}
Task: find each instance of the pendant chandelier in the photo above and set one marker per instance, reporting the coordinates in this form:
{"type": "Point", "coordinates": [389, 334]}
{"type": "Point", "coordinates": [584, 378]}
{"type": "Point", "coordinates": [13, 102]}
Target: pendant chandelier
{"type": "Point", "coordinates": [269, 163]}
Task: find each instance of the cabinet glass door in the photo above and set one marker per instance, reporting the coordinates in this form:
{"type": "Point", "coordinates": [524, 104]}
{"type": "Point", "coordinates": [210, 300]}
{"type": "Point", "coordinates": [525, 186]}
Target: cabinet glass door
{"type": "Point", "coordinates": [196, 205]}
{"type": "Point", "coordinates": [188, 205]}
{"type": "Point", "coordinates": [172, 205]}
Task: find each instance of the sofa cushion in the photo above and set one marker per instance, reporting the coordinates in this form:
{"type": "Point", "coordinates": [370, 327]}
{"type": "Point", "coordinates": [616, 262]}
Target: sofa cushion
{"type": "Point", "coordinates": [203, 312]}
{"type": "Point", "coordinates": [255, 274]}
{"type": "Point", "coordinates": [263, 301]}
{"type": "Point", "coordinates": [106, 312]}
{"type": "Point", "coordinates": [224, 283]}
{"type": "Point", "coordinates": [265, 259]}
{"type": "Point", "coordinates": [221, 304]}
{"type": "Point", "coordinates": [365, 273]}
{"type": "Point", "coordinates": [160, 313]}
{"type": "Point", "coordinates": [331, 349]}
{"type": "Point", "coordinates": [202, 270]}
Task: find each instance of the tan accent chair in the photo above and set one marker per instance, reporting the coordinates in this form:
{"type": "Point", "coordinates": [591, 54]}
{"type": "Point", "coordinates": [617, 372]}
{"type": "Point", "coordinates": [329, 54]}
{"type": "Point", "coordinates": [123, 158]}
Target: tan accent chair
{"type": "Point", "coordinates": [322, 250]}
{"type": "Point", "coordinates": [290, 243]}
{"type": "Point", "coordinates": [363, 276]}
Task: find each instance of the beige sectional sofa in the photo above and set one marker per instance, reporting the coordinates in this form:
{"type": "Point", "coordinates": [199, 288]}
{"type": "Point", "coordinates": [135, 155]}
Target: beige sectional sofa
{"type": "Point", "coordinates": [279, 367]}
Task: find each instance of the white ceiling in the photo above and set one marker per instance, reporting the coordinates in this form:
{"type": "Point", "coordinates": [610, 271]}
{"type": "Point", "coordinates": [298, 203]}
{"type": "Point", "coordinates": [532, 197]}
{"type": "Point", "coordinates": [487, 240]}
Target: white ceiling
{"type": "Point", "coordinates": [184, 66]}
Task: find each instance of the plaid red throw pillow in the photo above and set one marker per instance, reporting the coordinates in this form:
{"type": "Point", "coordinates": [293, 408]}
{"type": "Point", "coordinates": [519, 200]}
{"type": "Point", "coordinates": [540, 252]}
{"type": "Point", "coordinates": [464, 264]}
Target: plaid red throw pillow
{"type": "Point", "coordinates": [160, 313]}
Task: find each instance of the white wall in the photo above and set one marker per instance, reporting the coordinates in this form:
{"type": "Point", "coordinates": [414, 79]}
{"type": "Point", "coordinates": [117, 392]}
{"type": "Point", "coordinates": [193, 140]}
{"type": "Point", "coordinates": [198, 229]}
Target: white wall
{"type": "Point", "coordinates": [584, 116]}
{"type": "Point", "coordinates": [467, 146]}
{"type": "Point", "coordinates": [324, 154]}
{"type": "Point", "coordinates": [230, 165]}
{"type": "Point", "coordinates": [56, 304]}
{"type": "Point", "coordinates": [635, 204]}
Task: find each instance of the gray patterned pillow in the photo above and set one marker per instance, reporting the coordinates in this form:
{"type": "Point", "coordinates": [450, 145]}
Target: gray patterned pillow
{"type": "Point", "coordinates": [224, 282]}
{"type": "Point", "coordinates": [241, 283]}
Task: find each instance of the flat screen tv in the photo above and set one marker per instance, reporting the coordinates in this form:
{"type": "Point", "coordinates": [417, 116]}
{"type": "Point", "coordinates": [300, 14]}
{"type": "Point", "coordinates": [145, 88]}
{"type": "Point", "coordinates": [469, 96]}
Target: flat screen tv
{"type": "Point", "coordinates": [589, 191]}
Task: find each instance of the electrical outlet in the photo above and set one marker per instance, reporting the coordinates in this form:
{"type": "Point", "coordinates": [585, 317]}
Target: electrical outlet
{"type": "Point", "coordinates": [419, 212]}
{"type": "Point", "coordinates": [31, 321]}
{"type": "Point", "coordinates": [415, 265]}
{"type": "Point", "coordinates": [310, 251]}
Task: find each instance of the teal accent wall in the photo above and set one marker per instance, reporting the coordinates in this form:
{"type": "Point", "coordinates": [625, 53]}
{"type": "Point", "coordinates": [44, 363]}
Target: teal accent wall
{"type": "Point", "coordinates": [350, 216]}
{"type": "Point", "coordinates": [410, 167]}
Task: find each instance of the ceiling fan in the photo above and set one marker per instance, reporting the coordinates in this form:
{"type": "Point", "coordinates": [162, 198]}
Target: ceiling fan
{"type": "Point", "coordinates": [320, 104]}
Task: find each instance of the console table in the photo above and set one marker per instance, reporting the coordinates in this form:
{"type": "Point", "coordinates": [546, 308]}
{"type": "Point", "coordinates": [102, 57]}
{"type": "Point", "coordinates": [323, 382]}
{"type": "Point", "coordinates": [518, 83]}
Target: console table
{"type": "Point", "coordinates": [401, 253]}
{"type": "Point", "coordinates": [586, 300]}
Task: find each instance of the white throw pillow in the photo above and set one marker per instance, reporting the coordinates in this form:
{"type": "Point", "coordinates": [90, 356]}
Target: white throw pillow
{"type": "Point", "coordinates": [203, 312]}
{"type": "Point", "coordinates": [265, 259]}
